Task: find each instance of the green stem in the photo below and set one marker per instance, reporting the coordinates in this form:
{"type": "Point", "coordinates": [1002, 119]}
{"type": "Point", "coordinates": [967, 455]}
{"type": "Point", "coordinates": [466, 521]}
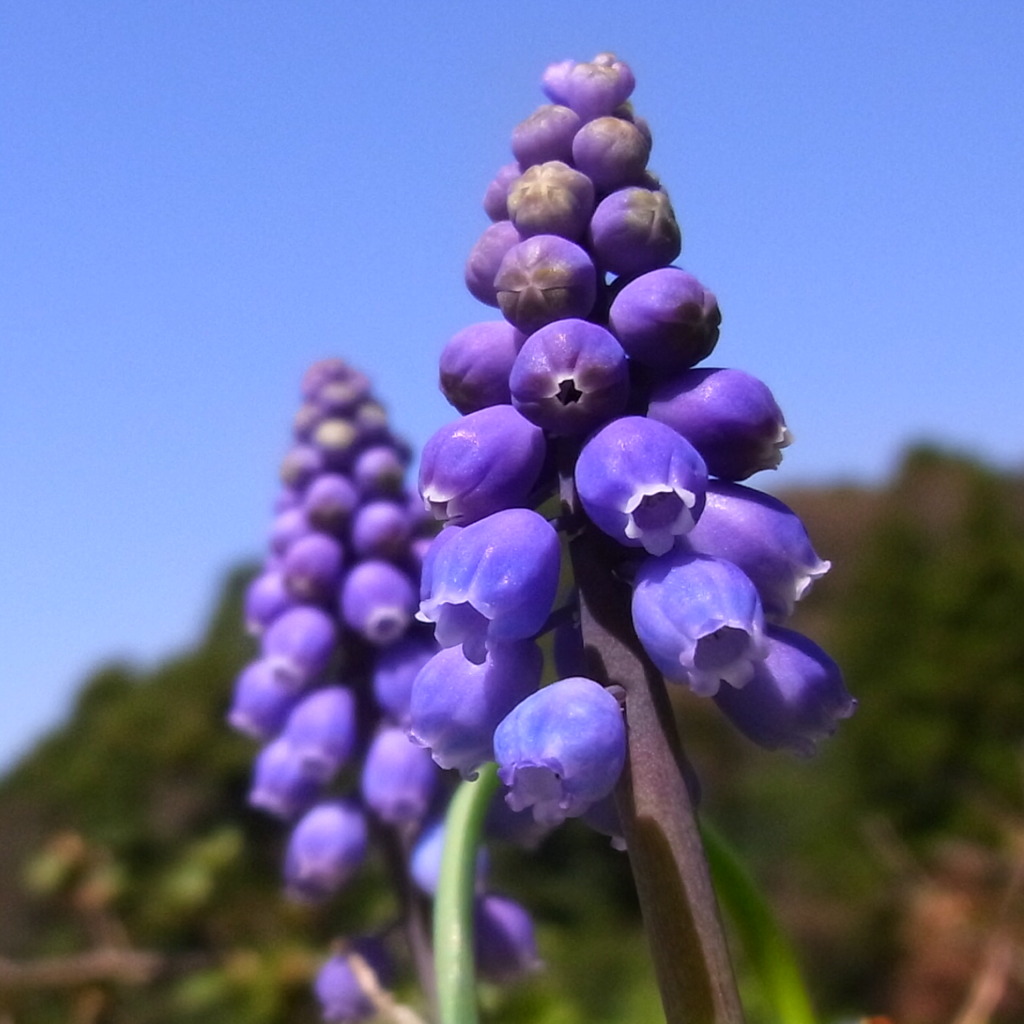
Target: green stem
{"type": "Point", "coordinates": [453, 909]}
{"type": "Point", "coordinates": [766, 946]}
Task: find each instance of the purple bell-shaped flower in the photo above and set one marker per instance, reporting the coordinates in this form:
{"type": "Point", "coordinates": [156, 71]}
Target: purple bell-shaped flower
{"type": "Point", "coordinates": [730, 417]}
{"type": "Point", "coordinates": [506, 948]}
{"type": "Point", "coordinates": [343, 994]}
{"type": "Point", "coordinates": [456, 704]}
{"type": "Point", "coordinates": [641, 483]}
{"type": "Point", "coordinates": [394, 672]}
{"type": "Point", "coordinates": [427, 853]}
{"type": "Point", "coordinates": [399, 779]}
{"type": "Point", "coordinates": [300, 642]}
{"type": "Point", "coordinates": [322, 730]}
{"type": "Point", "coordinates": [265, 598]}
{"type": "Point", "coordinates": [765, 538]}
{"type": "Point", "coordinates": [562, 749]}
{"type": "Point", "coordinates": [261, 701]}
{"type": "Point", "coordinates": [326, 847]}
{"type": "Point", "coordinates": [378, 601]}
{"type": "Point", "coordinates": [795, 697]}
{"type": "Point", "coordinates": [486, 461]}
{"type": "Point", "coordinates": [700, 620]}
{"type": "Point", "coordinates": [492, 581]}
{"type": "Point", "coordinates": [281, 784]}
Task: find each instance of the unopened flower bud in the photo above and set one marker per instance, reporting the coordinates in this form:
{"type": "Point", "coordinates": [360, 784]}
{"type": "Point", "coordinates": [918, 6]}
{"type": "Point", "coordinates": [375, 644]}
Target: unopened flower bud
{"type": "Point", "coordinates": [551, 199]}
{"type": "Point", "coordinates": [545, 278]}
{"type": "Point", "coordinates": [381, 529]}
{"type": "Point", "coordinates": [634, 231]}
{"type": "Point", "coordinates": [591, 88]}
{"type": "Point", "coordinates": [496, 195]}
{"type": "Point", "coordinates": [485, 259]}
{"type": "Point", "coordinates": [666, 319]}
{"type": "Point", "coordinates": [329, 501]}
{"type": "Point", "coordinates": [730, 417]}
{"type": "Point", "coordinates": [545, 135]}
{"type": "Point", "coordinates": [475, 365]}
{"type": "Point", "coordinates": [612, 152]}
{"type": "Point", "coordinates": [312, 567]}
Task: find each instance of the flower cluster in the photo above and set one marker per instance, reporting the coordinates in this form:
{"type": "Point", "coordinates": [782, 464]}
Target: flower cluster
{"type": "Point", "coordinates": [329, 695]}
{"type": "Point", "coordinates": [588, 386]}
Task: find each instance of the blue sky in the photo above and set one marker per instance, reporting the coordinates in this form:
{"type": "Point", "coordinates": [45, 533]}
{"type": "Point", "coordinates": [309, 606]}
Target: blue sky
{"type": "Point", "coordinates": [197, 199]}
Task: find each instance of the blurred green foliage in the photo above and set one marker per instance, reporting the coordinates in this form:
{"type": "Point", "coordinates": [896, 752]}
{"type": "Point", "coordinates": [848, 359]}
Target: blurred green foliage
{"type": "Point", "coordinates": [128, 827]}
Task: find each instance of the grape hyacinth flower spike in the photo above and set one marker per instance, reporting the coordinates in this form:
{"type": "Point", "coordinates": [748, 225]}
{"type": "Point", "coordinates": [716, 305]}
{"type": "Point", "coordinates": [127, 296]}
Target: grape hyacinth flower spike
{"type": "Point", "coordinates": [602, 364]}
{"type": "Point", "coordinates": [329, 696]}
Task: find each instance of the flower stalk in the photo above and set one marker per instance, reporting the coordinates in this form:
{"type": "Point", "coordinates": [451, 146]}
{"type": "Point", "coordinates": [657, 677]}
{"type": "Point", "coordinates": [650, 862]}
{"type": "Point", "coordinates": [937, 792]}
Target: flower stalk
{"type": "Point", "coordinates": [677, 901]}
{"type": "Point", "coordinates": [453, 910]}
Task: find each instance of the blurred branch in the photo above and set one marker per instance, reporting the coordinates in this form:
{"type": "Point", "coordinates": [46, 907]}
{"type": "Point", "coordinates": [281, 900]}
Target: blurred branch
{"type": "Point", "coordinates": [127, 966]}
{"type": "Point", "coordinates": [387, 1009]}
{"type": "Point", "coordinates": [1001, 952]}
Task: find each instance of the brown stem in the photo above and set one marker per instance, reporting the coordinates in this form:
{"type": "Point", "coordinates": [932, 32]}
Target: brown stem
{"type": "Point", "coordinates": [126, 966]}
{"type": "Point", "coordinates": [415, 913]}
{"type": "Point", "coordinates": [680, 912]}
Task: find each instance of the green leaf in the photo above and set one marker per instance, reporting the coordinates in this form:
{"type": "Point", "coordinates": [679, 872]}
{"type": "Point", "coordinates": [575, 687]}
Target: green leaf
{"type": "Point", "coordinates": [766, 946]}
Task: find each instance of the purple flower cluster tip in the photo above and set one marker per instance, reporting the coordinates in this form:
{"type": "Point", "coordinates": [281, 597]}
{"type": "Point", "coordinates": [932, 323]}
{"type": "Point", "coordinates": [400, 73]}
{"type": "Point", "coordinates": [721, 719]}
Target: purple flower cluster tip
{"type": "Point", "coordinates": [595, 366]}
